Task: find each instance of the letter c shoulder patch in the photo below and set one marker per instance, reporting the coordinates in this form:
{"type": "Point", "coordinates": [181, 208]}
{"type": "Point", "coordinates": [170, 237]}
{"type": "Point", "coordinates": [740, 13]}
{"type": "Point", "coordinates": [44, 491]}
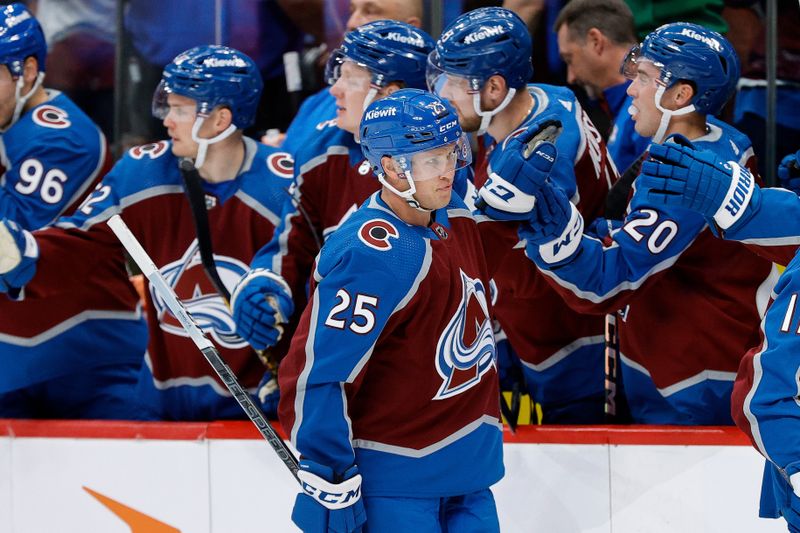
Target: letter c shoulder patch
{"type": "Point", "coordinates": [281, 164]}
{"type": "Point", "coordinates": [51, 117]}
{"type": "Point", "coordinates": [376, 234]}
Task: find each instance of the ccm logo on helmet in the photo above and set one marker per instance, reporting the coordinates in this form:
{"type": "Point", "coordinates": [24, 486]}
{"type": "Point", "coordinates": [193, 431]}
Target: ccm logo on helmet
{"type": "Point", "coordinates": [376, 234]}
{"type": "Point", "coordinates": [51, 117]}
{"type": "Point", "coordinates": [485, 33]}
{"type": "Point", "coordinates": [450, 125]}
{"type": "Point", "coordinates": [381, 113]}
{"type": "Point", "coordinates": [713, 43]}
{"type": "Point", "coordinates": [405, 39]}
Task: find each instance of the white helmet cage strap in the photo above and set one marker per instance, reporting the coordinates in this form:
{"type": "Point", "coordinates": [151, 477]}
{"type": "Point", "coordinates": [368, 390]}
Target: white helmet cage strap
{"type": "Point", "coordinates": [202, 144]}
{"type": "Point", "coordinates": [666, 114]}
{"type": "Point", "coordinates": [21, 99]}
{"type": "Point", "coordinates": [486, 116]}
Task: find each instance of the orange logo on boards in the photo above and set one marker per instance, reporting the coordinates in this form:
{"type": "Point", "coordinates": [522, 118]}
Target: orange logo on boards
{"type": "Point", "coordinates": [138, 522]}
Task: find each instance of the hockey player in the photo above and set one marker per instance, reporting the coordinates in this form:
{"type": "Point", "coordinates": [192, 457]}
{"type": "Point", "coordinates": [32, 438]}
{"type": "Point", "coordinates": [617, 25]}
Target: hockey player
{"type": "Point", "coordinates": [481, 64]}
{"type": "Point", "coordinates": [207, 95]}
{"type": "Point", "coordinates": [400, 295]}
{"type": "Point", "coordinates": [764, 401]}
{"type": "Point", "coordinates": [684, 321]}
{"type": "Point", "coordinates": [75, 351]}
{"type": "Point", "coordinates": [332, 177]}
{"type": "Point", "coordinates": [319, 110]}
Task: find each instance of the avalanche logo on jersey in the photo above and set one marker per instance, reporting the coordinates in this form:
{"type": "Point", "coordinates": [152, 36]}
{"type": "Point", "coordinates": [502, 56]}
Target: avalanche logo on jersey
{"type": "Point", "coordinates": [189, 281]}
{"type": "Point", "coordinates": [51, 117]}
{"type": "Point", "coordinates": [281, 164]}
{"type": "Point", "coordinates": [465, 351]}
{"type": "Point", "coordinates": [376, 234]}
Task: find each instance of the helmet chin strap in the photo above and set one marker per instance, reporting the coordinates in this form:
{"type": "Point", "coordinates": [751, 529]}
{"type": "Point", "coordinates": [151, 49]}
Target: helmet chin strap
{"type": "Point", "coordinates": [407, 195]}
{"type": "Point", "coordinates": [666, 115]}
{"type": "Point", "coordinates": [486, 116]}
{"type": "Point", "coordinates": [202, 144]}
{"type": "Point", "coordinates": [21, 99]}
{"type": "Point", "coordinates": [373, 91]}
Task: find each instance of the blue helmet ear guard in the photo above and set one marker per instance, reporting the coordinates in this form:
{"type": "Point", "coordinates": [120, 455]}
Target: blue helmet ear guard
{"type": "Point", "coordinates": [406, 122]}
{"type": "Point", "coordinates": [485, 42]}
{"type": "Point", "coordinates": [21, 37]}
{"type": "Point", "coordinates": [213, 76]}
{"type": "Point", "coordinates": [390, 50]}
{"type": "Point", "coordinates": [691, 53]}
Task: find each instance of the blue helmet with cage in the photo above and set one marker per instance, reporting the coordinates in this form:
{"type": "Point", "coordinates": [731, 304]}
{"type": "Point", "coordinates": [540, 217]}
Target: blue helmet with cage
{"type": "Point", "coordinates": [410, 122]}
{"type": "Point", "coordinates": [388, 49]}
{"type": "Point", "coordinates": [406, 121]}
{"type": "Point", "coordinates": [21, 37]}
{"type": "Point", "coordinates": [694, 54]}
{"type": "Point", "coordinates": [213, 76]}
{"type": "Point", "coordinates": [482, 43]}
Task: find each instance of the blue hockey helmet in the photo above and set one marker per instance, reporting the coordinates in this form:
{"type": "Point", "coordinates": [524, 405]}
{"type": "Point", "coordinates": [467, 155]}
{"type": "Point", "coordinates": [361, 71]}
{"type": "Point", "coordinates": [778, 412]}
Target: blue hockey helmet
{"type": "Point", "coordinates": [21, 37]}
{"type": "Point", "coordinates": [694, 54]}
{"type": "Point", "coordinates": [480, 44]}
{"type": "Point", "coordinates": [213, 76]}
{"type": "Point", "coordinates": [407, 124]}
{"type": "Point", "coordinates": [390, 50]}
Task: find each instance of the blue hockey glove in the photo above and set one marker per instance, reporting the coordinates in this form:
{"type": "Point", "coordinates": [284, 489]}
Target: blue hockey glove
{"type": "Point", "coordinates": [602, 228]}
{"type": "Point", "coordinates": [681, 175]}
{"type": "Point", "coordinates": [261, 302]}
{"type": "Point", "coordinates": [789, 173]}
{"type": "Point", "coordinates": [269, 395]}
{"type": "Point", "coordinates": [326, 506]}
{"type": "Point", "coordinates": [523, 167]}
{"type": "Point", "coordinates": [18, 255]}
{"type": "Point", "coordinates": [555, 225]}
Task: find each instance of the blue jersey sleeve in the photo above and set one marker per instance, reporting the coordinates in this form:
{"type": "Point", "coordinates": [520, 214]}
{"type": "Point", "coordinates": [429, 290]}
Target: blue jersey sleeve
{"type": "Point", "coordinates": [769, 403]}
{"type": "Point", "coordinates": [358, 291]}
{"type": "Point", "coordinates": [775, 220]}
{"type": "Point", "coordinates": [149, 167]}
{"type": "Point", "coordinates": [48, 173]}
{"type": "Point", "coordinates": [602, 277]}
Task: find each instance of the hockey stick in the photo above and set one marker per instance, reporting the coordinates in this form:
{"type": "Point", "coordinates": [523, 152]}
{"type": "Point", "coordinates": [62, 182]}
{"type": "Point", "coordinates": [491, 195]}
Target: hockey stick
{"type": "Point", "coordinates": [616, 204]}
{"type": "Point", "coordinates": [197, 205]}
{"type": "Point", "coordinates": [211, 354]}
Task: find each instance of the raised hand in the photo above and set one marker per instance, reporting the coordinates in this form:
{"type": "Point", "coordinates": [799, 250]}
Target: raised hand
{"type": "Point", "coordinates": [18, 255]}
{"type": "Point", "coordinates": [261, 303]}
{"type": "Point", "coordinates": [522, 168]}
{"type": "Point", "coordinates": [681, 175]}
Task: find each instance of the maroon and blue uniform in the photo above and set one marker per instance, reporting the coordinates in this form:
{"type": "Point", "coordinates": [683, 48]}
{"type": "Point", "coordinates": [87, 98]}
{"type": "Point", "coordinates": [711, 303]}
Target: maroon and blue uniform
{"type": "Point", "coordinates": [561, 349]}
{"type": "Point", "coordinates": [146, 189]}
{"type": "Point", "coordinates": [72, 346]}
{"type": "Point", "coordinates": [391, 300]}
{"type": "Point", "coordinates": [684, 323]}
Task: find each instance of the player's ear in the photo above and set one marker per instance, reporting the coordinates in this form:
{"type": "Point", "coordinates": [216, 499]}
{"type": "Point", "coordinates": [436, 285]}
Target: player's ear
{"type": "Point", "coordinates": [223, 119]}
{"type": "Point", "coordinates": [683, 94]}
{"type": "Point", "coordinates": [390, 88]}
{"type": "Point", "coordinates": [388, 167]}
{"type": "Point", "coordinates": [30, 70]}
{"type": "Point", "coordinates": [493, 92]}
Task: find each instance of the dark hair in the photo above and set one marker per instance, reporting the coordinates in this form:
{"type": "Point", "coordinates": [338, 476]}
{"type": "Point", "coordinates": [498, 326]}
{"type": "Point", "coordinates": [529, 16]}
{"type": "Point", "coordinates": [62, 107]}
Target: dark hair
{"type": "Point", "coordinates": [612, 17]}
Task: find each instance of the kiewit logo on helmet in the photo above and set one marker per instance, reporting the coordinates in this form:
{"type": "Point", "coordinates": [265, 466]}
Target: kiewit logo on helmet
{"type": "Point", "coordinates": [485, 33]}
{"type": "Point", "coordinates": [406, 39]}
{"type": "Point", "coordinates": [231, 62]}
{"type": "Point", "coordinates": [13, 21]}
{"type": "Point", "coordinates": [713, 43]}
{"type": "Point", "coordinates": [381, 113]}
